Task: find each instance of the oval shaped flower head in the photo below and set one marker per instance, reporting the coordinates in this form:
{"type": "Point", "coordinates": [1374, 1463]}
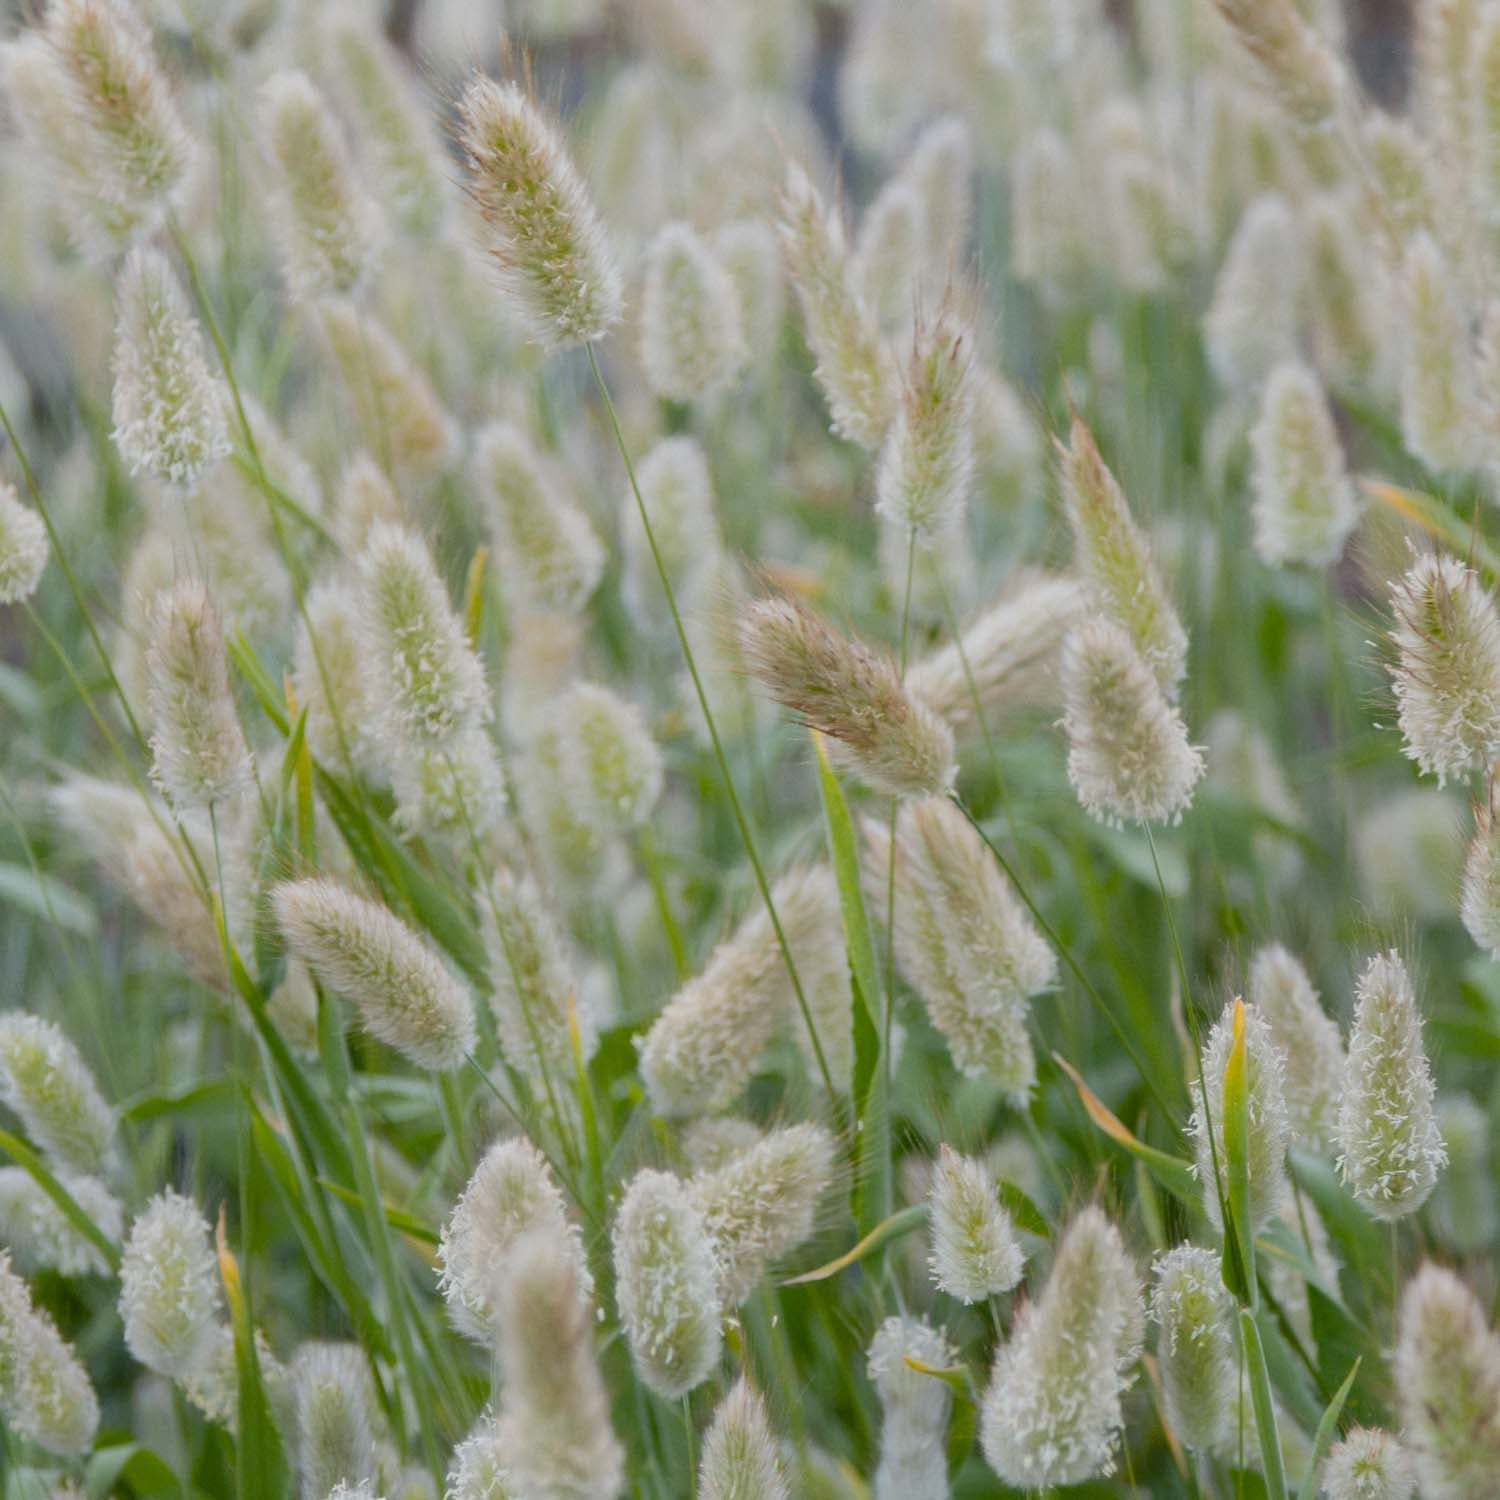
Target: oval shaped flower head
{"type": "Point", "coordinates": [328, 676]}
{"type": "Point", "coordinates": [1447, 1378]}
{"type": "Point", "coordinates": [554, 1410]}
{"type": "Point", "coordinates": [667, 1284]}
{"type": "Point", "coordinates": [1270, 1131]}
{"type": "Point", "coordinates": [1438, 377]}
{"type": "Point", "coordinates": [741, 1460]}
{"type": "Point", "coordinates": [1312, 1050]}
{"type": "Point", "coordinates": [45, 1392]}
{"type": "Point", "coordinates": [888, 253]}
{"type": "Point", "coordinates": [1297, 66]}
{"type": "Point", "coordinates": [335, 1405]}
{"type": "Point", "coordinates": [1390, 1149]}
{"type": "Point", "coordinates": [679, 496]}
{"type": "Point", "coordinates": [168, 405]}
{"type": "Point", "coordinates": [1463, 1207]}
{"type": "Point", "coordinates": [511, 1193]}
{"type": "Point", "coordinates": [169, 1287]}
{"type": "Point", "coordinates": [1116, 562]}
{"type": "Point", "coordinates": [926, 463]}
{"type": "Point", "coordinates": [702, 1049]}
{"type": "Point", "coordinates": [610, 763]}
{"type": "Point", "coordinates": [328, 225]}
{"type": "Point", "coordinates": [478, 1469]}
{"type": "Point", "coordinates": [976, 1252]}
{"type": "Point", "coordinates": [850, 692]}
{"type": "Point", "coordinates": [761, 1205]}
{"type": "Point", "coordinates": [23, 547]}
{"type": "Point", "coordinates": [365, 497]}
{"type": "Point", "coordinates": [546, 547]}
{"type": "Point", "coordinates": [964, 943]}
{"type": "Point", "coordinates": [854, 365]}
{"type": "Point", "coordinates": [691, 338]}
{"type": "Point", "coordinates": [1050, 250]}
{"type": "Point", "coordinates": [915, 1409]}
{"type": "Point", "coordinates": [1128, 753]}
{"type": "Point", "coordinates": [1447, 675]}
{"type": "Point", "coordinates": [1304, 502]}
{"type": "Point", "coordinates": [454, 794]}
{"type": "Point", "coordinates": [1252, 322]}
{"type": "Point", "coordinates": [45, 1080]}
{"type": "Point", "coordinates": [403, 991]}
{"type": "Point", "coordinates": [426, 681]}
{"type": "Point", "coordinates": [751, 257]}
{"type": "Point", "coordinates": [41, 1237]}
{"type": "Point", "coordinates": [1368, 1464]}
{"type": "Point", "coordinates": [198, 750]}
{"type": "Point", "coordinates": [1051, 1415]}
{"type": "Point", "coordinates": [540, 228]}
{"type": "Point", "coordinates": [1197, 1351]}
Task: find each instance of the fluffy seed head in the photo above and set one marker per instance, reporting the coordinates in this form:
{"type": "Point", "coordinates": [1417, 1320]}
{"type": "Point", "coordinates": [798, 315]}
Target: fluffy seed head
{"type": "Point", "coordinates": [1197, 1351]}
{"type": "Point", "coordinates": [1447, 1378]}
{"type": "Point", "coordinates": [678, 492]}
{"type": "Point", "coordinates": [740, 1456]}
{"type": "Point", "coordinates": [198, 750]}
{"type": "Point", "coordinates": [1251, 324]}
{"type": "Point", "coordinates": [1313, 1052]}
{"type": "Point", "coordinates": [512, 1193]}
{"type": "Point", "coordinates": [1298, 68]}
{"type": "Point", "coordinates": [927, 460]}
{"type": "Point", "coordinates": [1128, 753]}
{"type": "Point", "coordinates": [610, 765]}
{"type": "Point", "coordinates": [1051, 1415]}
{"type": "Point", "coordinates": [761, 1205]}
{"type": "Point", "coordinates": [964, 943]}
{"type": "Point", "coordinates": [169, 1287]}
{"type": "Point", "coordinates": [478, 1469]}
{"type": "Point", "coordinates": [545, 545]}
{"type": "Point", "coordinates": [1368, 1464]}
{"type": "Point", "coordinates": [335, 1417]}
{"type": "Point", "coordinates": [748, 251]}
{"type": "Point", "coordinates": [667, 1284]}
{"type": "Point", "coordinates": [328, 675]}
{"type": "Point", "coordinates": [1304, 503]}
{"type": "Point", "coordinates": [45, 1080]}
{"type": "Point", "coordinates": [976, 1252]}
{"type": "Point", "coordinates": [404, 993]}
{"type": "Point", "coordinates": [1438, 397]}
{"type": "Point", "coordinates": [1447, 674]}
{"type": "Point", "coordinates": [888, 253]}
{"type": "Point", "coordinates": [854, 366]}
{"type": "Point", "coordinates": [23, 547]}
{"type": "Point", "coordinates": [691, 338]}
{"type": "Point", "coordinates": [1464, 1210]}
{"type": "Point", "coordinates": [328, 224]}
{"type": "Point", "coordinates": [45, 1392]}
{"type": "Point", "coordinates": [1390, 1149]}
{"type": "Point", "coordinates": [1115, 561]}
{"type": "Point", "coordinates": [540, 229]}
{"type": "Point", "coordinates": [453, 794]}
{"type": "Point", "coordinates": [1269, 1131]}
{"type": "Point", "coordinates": [849, 692]}
{"type": "Point", "coordinates": [427, 683]}
{"type": "Point", "coordinates": [168, 406]}
{"type": "Point", "coordinates": [41, 1237]}
{"type": "Point", "coordinates": [915, 1409]}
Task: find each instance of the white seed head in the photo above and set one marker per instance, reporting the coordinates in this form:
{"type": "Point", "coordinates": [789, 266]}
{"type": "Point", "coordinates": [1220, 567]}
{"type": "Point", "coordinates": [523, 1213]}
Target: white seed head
{"type": "Point", "coordinates": [888, 259]}
{"type": "Point", "coordinates": [405, 994]}
{"type": "Point", "coordinates": [976, 1252]}
{"type": "Point", "coordinates": [1251, 324]}
{"type": "Point", "coordinates": [1390, 1149]}
{"type": "Point", "coordinates": [678, 492]}
{"type": "Point", "coordinates": [453, 794]}
{"type": "Point", "coordinates": [546, 547]}
{"type": "Point", "coordinates": [512, 1193]}
{"type": "Point", "coordinates": [1464, 1210]}
{"type": "Point", "coordinates": [45, 1080]}
{"type": "Point", "coordinates": [1438, 394]}
{"type": "Point", "coordinates": [667, 1284]}
{"type": "Point", "coordinates": [365, 497]}
{"type": "Point", "coordinates": [751, 258]}
{"type": "Point", "coordinates": [854, 366]}
{"type": "Point", "coordinates": [426, 681]}
{"type": "Point", "coordinates": [23, 547]}
{"type": "Point", "coordinates": [1269, 1126]}
{"type": "Point", "coordinates": [1196, 1349]}
{"type": "Point", "coordinates": [741, 1460]}
{"type": "Point", "coordinates": [41, 1237]}
{"type": "Point", "coordinates": [335, 1404]}
{"type": "Point", "coordinates": [478, 1470]}
{"type": "Point", "coordinates": [45, 1392]}
{"type": "Point", "coordinates": [198, 750]}
{"type": "Point", "coordinates": [1052, 1413]}
{"type": "Point", "coordinates": [1347, 304]}
{"type": "Point", "coordinates": [692, 342]}
{"type": "Point", "coordinates": [761, 1205]}
{"type": "Point", "coordinates": [1368, 1464]}
{"type": "Point", "coordinates": [1312, 1050]}
{"type": "Point", "coordinates": [1447, 674]}
{"type": "Point", "coordinates": [1116, 562]}
{"type": "Point", "coordinates": [328, 676]}
{"type": "Point", "coordinates": [1129, 758]}
{"type": "Point", "coordinates": [1447, 1379]}
{"type": "Point", "coordinates": [964, 942]}
{"type": "Point", "coordinates": [1304, 502]}
{"type": "Point", "coordinates": [610, 766]}
{"type": "Point", "coordinates": [540, 229]}
{"type": "Point", "coordinates": [1050, 233]}
{"type": "Point", "coordinates": [915, 1408]}
{"type": "Point", "coordinates": [168, 405]}
{"type": "Point", "coordinates": [169, 1287]}
{"type": "Point", "coordinates": [850, 692]}
{"type": "Point", "coordinates": [1298, 68]}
